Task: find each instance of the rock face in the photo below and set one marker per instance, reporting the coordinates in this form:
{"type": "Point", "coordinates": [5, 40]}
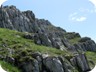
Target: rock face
{"type": "Point", "coordinates": [46, 63]}
{"type": "Point", "coordinates": [86, 44]}
{"type": "Point", "coordinates": [30, 66]}
{"type": "Point", "coordinates": [81, 62]}
{"type": "Point", "coordinates": [53, 64]}
{"type": "Point", "coordinates": [44, 33]}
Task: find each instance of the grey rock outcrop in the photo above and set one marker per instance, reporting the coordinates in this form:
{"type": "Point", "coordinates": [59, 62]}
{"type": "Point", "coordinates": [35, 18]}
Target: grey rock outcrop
{"type": "Point", "coordinates": [80, 61]}
{"type": "Point", "coordinates": [86, 44]}
{"type": "Point", "coordinates": [30, 66]}
{"type": "Point", "coordinates": [41, 38]}
{"type": "Point", "coordinates": [56, 64]}
{"type": "Point", "coordinates": [12, 18]}
{"type": "Point", "coordinates": [53, 64]}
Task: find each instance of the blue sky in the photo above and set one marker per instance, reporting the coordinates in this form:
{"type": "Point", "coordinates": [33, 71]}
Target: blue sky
{"type": "Point", "coordinates": [72, 15]}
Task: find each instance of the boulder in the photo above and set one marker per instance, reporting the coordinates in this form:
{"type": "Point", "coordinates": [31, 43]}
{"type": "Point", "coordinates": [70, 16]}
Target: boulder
{"type": "Point", "coordinates": [30, 66]}
{"type": "Point", "coordinates": [28, 36]}
{"type": "Point", "coordinates": [43, 39]}
{"type": "Point", "coordinates": [66, 64]}
{"type": "Point", "coordinates": [80, 62]}
{"type": "Point", "coordinates": [53, 64]}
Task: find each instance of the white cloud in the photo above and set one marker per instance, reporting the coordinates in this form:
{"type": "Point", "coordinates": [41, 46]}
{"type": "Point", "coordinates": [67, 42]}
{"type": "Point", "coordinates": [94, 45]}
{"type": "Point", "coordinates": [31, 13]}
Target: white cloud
{"type": "Point", "coordinates": [81, 14]}
{"type": "Point", "coordinates": [2, 1]}
{"type": "Point", "coordinates": [76, 17]}
{"type": "Point", "coordinates": [80, 19]}
{"type": "Point", "coordinates": [93, 2]}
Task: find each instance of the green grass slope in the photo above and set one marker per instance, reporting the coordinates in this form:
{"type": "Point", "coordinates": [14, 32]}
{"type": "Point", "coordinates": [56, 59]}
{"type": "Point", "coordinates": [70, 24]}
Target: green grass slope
{"type": "Point", "coordinates": [13, 44]}
{"type": "Point", "coordinates": [21, 48]}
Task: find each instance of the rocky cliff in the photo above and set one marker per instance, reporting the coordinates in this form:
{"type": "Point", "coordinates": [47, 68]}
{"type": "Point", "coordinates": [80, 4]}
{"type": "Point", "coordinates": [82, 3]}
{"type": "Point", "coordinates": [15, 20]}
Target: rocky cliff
{"type": "Point", "coordinates": [71, 54]}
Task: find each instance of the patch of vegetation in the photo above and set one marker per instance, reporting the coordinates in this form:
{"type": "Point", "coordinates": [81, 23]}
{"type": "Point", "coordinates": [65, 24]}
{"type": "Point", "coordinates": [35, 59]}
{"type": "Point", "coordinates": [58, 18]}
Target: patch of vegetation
{"type": "Point", "coordinates": [74, 40]}
{"type": "Point", "coordinates": [91, 56]}
{"type": "Point", "coordinates": [8, 67]}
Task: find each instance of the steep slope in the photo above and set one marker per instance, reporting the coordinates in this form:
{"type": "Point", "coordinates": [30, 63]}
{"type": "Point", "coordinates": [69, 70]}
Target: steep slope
{"type": "Point", "coordinates": [35, 45]}
{"type": "Point", "coordinates": [29, 57]}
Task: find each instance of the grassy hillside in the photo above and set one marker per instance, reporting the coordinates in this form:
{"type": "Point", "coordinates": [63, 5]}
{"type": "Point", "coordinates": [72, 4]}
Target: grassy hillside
{"type": "Point", "coordinates": [13, 44]}
{"type": "Point", "coordinates": [21, 48]}
{"type": "Point", "coordinates": [15, 40]}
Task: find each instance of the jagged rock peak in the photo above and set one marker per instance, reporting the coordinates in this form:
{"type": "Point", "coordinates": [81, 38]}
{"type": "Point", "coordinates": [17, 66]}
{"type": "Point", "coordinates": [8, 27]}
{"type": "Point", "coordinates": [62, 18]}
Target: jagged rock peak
{"type": "Point", "coordinates": [25, 21]}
